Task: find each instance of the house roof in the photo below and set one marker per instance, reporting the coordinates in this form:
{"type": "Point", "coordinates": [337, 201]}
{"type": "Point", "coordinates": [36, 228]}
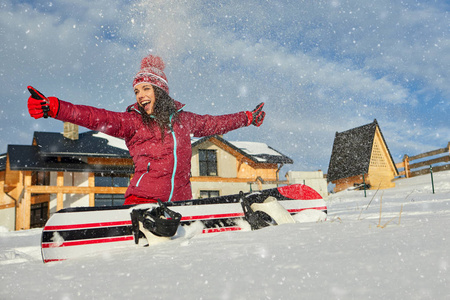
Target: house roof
{"type": "Point", "coordinates": [53, 152]}
{"type": "Point", "coordinates": [352, 150]}
{"type": "Point", "coordinates": [29, 158]}
{"type": "Point", "coordinates": [91, 143]}
{"type": "Point", "coordinates": [3, 162]}
{"type": "Point", "coordinates": [255, 151]}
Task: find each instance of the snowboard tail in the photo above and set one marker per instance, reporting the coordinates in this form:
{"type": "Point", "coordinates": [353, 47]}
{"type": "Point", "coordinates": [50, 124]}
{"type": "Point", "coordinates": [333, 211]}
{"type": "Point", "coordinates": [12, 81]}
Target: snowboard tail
{"type": "Point", "coordinates": [80, 231]}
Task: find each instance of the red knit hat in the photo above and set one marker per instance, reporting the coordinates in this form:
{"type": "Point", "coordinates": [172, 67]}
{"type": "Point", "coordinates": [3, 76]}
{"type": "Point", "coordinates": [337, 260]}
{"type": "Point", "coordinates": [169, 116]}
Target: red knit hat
{"type": "Point", "coordinates": [152, 68]}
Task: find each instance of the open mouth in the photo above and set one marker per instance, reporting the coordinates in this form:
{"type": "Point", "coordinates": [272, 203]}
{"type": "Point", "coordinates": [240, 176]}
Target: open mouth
{"type": "Point", "coordinates": [146, 104]}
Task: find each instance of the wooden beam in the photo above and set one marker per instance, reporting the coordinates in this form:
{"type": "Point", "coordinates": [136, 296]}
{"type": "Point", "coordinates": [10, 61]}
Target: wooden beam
{"type": "Point", "coordinates": [23, 208]}
{"type": "Point", "coordinates": [430, 162]}
{"type": "Point", "coordinates": [41, 189]}
{"type": "Point", "coordinates": [427, 170]}
{"type": "Point", "coordinates": [36, 199]}
{"type": "Point", "coordinates": [60, 194]}
{"type": "Point", "coordinates": [429, 153]}
{"type": "Point", "coordinates": [407, 167]}
{"type": "Point", "coordinates": [17, 194]}
{"type": "Point", "coordinates": [27, 201]}
{"type": "Point", "coordinates": [219, 179]}
{"type": "Point", "coordinates": [271, 182]}
{"type": "Point", "coordinates": [9, 205]}
{"type": "Point", "coordinates": [110, 161]}
{"type": "Point", "coordinates": [91, 184]}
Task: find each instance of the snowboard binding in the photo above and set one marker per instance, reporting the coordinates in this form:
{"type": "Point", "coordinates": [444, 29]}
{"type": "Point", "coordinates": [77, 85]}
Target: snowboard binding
{"type": "Point", "coordinates": [263, 210]}
{"type": "Point", "coordinates": [159, 221]}
{"type": "Point", "coordinates": [256, 219]}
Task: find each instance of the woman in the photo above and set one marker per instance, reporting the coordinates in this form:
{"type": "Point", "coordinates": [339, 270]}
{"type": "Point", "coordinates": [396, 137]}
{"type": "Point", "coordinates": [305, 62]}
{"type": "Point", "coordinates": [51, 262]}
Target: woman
{"type": "Point", "coordinates": [156, 129]}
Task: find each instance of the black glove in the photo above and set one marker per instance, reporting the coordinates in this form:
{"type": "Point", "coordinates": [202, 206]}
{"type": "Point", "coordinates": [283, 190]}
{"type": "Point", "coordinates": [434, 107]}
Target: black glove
{"type": "Point", "coordinates": [256, 116]}
{"type": "Point", "coordinates": [40, 106]}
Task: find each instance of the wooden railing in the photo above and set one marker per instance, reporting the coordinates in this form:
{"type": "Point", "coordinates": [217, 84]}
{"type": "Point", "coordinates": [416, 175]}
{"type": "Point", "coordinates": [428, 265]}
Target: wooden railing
{"type": "Point", "coordinates": [440, 162]}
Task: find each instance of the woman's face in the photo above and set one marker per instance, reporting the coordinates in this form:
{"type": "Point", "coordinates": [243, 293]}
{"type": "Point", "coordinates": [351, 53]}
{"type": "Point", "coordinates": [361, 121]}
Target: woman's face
{"type": "Point", "coordinates": [145, 96]}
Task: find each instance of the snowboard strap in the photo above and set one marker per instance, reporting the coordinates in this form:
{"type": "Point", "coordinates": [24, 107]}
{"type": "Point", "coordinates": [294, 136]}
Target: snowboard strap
{"type": "Point", "coordinates": [160, 221]}
{"type": "Point", "coordinates": [260, 212]}
{"type": "Point", "coordinates": [255, 219]}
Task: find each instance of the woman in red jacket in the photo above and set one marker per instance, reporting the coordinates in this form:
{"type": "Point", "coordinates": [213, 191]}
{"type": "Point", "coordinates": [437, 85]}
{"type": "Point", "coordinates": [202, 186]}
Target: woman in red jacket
{"type": "Point", "coordinates": [156, 130]}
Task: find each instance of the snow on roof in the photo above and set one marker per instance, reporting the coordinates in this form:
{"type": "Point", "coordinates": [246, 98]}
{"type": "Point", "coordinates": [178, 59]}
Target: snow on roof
{"type": "Point", "coordinates": [194, 139]}
{"type": "Point", "coordinates": [112, 141]}
{"type": "Point", "coordinates": [255, 149]}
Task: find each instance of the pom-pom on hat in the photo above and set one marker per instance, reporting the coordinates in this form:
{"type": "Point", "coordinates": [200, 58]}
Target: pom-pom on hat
{"type": "Point", "coordinates": [152, 68]}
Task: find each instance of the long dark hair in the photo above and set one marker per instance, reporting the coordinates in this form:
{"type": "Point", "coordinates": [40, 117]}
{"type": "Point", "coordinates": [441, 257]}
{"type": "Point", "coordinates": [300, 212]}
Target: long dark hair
{"type": "Point", "coordinates": [162, 110]}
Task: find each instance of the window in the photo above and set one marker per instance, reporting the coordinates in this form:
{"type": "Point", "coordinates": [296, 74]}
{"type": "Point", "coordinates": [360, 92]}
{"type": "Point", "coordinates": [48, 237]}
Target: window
{"type": "Point", "coordinates": [102, 179]}
{"type": "Point", "coordinates": [111, 180]}
{"type": "Point", "coordinates": [207, 162]}
{"type": "Point", "coordinates": [109, 199]}
{"type": "Point", "coordinates": [209, 194]}
{"type": "Point", "coordinates": [38, 215]}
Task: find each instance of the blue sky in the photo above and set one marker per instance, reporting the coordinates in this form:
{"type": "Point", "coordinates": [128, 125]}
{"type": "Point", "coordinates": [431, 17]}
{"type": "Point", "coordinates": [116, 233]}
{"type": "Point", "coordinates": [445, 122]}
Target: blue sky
{"type": "Point", "coordinates": [320, 66]}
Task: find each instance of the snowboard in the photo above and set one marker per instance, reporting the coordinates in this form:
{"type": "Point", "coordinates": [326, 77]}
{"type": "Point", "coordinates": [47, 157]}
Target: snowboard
{"type": "Point", "coordinates": [80, 231]}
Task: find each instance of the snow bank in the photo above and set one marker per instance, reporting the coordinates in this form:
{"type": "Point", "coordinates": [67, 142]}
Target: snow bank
{"type": "Point", "coordinates": [392, 244]}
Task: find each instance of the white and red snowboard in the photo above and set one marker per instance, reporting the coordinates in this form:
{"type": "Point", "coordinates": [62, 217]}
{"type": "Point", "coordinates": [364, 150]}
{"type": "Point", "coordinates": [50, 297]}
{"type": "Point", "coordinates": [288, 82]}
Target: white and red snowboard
{"type": "Point", "coordinates": [80, 231]}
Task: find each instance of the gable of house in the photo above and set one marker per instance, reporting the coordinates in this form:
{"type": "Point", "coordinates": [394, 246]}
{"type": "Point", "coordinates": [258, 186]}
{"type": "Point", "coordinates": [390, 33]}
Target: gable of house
{"type": "Point", "coordinates": [382, 168]}
{"type": "Point", "coordinates": [240, 159]}
{"type": "Point", "coordinates": [360, 151]}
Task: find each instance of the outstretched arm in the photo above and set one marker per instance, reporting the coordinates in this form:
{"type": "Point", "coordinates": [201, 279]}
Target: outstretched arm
{"type": "Point", "coordinates": [113, 123]}
{"type": "Point", "coordinates": [205, 125]}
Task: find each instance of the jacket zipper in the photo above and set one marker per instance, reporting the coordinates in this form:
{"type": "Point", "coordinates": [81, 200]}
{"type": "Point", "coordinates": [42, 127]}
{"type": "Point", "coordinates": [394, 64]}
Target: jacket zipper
{"type": "Point", "coordinates": [175, 158]}
{"type": "Point", "coordinates": [172, 180]}
{"type": "Point", "coordinates": [140, 178]}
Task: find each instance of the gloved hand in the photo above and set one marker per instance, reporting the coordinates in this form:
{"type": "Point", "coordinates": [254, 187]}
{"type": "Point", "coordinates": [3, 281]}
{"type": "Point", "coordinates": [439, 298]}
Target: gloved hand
{"type": "Point", "coordinates": [256, 116]}
{"type": "Point", "coordinates": [39, 106]}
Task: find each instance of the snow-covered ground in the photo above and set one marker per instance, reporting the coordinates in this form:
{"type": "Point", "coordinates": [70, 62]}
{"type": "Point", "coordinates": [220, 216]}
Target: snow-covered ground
{"type": "Point", "coordinates": [392, 244]}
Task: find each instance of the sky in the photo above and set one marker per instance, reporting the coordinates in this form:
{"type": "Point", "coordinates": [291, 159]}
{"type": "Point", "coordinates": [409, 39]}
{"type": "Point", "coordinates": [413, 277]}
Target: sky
{"type": "Point", "coordinates": [321, 67]}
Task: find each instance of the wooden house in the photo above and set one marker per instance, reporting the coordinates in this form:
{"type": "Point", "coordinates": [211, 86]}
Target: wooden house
{"type": "Point", "coordinates": [221, 167]}
{"type": "Point", "coordinates": [361, 155]}
{"type": "Point", "coordinates": [69, 169]}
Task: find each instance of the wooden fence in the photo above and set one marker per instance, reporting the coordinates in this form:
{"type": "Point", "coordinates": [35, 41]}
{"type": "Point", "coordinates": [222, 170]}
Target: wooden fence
{"type": "Point", "coordinates": [440, 162]}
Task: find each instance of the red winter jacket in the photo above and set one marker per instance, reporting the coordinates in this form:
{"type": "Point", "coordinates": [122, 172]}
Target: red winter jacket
{"type": "Point", "coordinates": [162, 168]}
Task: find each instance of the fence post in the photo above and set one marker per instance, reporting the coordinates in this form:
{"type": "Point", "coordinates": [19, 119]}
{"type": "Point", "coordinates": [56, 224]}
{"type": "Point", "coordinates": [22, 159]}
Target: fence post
{"type": "Point", "coordinates": [406, 165]}
{"type": "Point", "coordinates": [432, 182]}
{"type": "Point", "coordinates": [364, 185]}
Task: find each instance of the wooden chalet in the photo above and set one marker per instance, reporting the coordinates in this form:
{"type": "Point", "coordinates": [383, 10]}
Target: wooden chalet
{"type": "Point", "coordinates": [361, 155]}
{"type": "Point", "coordinates": [69, 169]}
{"type": "Point", "coordinates": [221, 167]}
